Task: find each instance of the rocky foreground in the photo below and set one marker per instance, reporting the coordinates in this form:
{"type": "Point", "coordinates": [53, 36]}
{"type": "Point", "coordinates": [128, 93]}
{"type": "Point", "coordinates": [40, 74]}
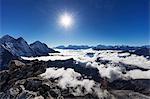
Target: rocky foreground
{"type": "Point", "coordinates": [23, 81]}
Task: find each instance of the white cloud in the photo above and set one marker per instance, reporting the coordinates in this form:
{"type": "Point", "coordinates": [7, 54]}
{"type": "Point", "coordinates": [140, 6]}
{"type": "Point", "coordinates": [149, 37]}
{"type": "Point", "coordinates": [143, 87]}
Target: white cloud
{"type": "Point", "coordinates": [139, 61]}
{"type": "Point", "coordinates": [138, 74]}
{"type": "Point", "coordinates": [69, 79]}
{"type": "Point", "coordinates": [111, 70]}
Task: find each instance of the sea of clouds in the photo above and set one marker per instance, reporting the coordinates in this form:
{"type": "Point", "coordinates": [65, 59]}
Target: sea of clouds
{"type": "Point", "coordinates": [112, 70]}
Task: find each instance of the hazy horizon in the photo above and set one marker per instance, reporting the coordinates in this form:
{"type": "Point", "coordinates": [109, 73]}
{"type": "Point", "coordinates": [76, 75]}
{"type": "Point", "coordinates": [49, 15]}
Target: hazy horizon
{"type": "Point", "coordinates": [77, 44]}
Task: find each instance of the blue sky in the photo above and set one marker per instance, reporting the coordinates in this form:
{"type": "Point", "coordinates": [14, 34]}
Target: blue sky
{"type": "Point", "coordinates": [109, 22]}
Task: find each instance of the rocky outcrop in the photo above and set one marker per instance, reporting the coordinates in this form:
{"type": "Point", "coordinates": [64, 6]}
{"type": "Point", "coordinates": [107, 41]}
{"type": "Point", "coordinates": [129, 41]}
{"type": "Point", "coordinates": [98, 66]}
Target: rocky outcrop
{"type": "Point", "coordinates": [5, 58]}
{"type": "Point", "coordinates": [136, 85]}
{"type": "Point", "coordinates": [128, 94]}
{"type": "Point", "coordinates": [18, 70]}
{"type": "Point", "coordinates": [21, 81]}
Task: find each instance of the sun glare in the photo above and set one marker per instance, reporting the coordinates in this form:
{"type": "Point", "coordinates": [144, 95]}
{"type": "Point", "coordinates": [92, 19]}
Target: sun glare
{"type": "Point", "coordinates": [66, 20]}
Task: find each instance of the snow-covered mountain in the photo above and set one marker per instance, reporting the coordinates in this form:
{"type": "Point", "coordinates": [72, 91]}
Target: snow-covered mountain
{"type": "Point", "coordinates": [88, 73]}
{"type": "Point", "coordinates": [102, 47]}
{"type": "Point", "coordinates": [74, 47]}
{"type": "Point", "coordinates": [11, 47]}
{"type": "Point", "coordinates": [138, 50]}
{"type": "Point", "coordinates": [116, 47]}
{"type": "Point", "coordinates": [41, 49]}
{"type": "Point", "coordinates": [18, 47]}
{"type": "Point", "coordinates": [98, 47]}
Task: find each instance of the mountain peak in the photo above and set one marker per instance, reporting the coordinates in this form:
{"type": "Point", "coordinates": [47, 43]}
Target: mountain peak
{"type": "Point", "coordinates": [41, 48]}
{"type": "Point", "coordinates": [19, 47]}
{"type": "Point", "coordinates": [7, 37]}
{"type": "Point", "coordinates": [38, 42]}
{"type": "Point", "coordinates": [20, 39]}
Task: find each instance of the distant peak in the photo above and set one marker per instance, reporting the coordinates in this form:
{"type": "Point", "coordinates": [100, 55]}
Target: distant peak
{"type": "Point", "coordinates": [7, 36]}
{"type": "Point", "coordinates": [20, 38]}
{"type": "Point", "coordinates": [37, 42]}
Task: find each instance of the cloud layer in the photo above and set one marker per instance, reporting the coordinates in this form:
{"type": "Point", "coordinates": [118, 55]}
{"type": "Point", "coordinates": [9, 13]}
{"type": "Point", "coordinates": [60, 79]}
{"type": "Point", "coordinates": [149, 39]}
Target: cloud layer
{"type": "Point", "coordinates": [111, 64]}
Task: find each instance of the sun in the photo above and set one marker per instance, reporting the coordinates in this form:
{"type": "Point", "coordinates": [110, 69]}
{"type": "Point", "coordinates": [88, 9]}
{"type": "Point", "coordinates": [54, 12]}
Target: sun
{"type": "Point", "coordinates": [66, 20]}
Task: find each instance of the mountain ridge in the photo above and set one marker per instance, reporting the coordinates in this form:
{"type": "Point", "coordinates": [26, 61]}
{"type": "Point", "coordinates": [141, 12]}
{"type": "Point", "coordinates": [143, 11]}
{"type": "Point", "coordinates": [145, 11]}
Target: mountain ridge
{"type": "Point", "coordinates": [102, 47]}
{"type": "Point", "coordinates": [19, 47]}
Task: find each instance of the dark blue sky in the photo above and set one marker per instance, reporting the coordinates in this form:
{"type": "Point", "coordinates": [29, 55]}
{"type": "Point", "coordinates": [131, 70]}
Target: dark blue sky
{"type": "Point", "coordinates": [110, 22]}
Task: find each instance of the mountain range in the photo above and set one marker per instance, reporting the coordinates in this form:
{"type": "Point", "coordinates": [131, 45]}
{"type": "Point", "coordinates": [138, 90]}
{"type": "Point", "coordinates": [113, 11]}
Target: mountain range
{"type": "Point", "coordinates": [14, 48]}
{"type": "Point", "coordinates": [102, 47]}
{"type": "Point", "coordinates": [87, 75]}
{"type": "Point", "coordinates": [74, 47]}
{"type": "Point", "coordinates": [11, 48]}
{"type": "Point", "coordinates": [138, 50]}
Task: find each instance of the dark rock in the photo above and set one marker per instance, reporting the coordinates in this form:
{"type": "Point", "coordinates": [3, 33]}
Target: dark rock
{"type": "Point", "coordinates": [88, 96]}
{"type": "Point", "coordinates": [19, 70]}
{"type": "Point", "coordinates": [100, 61]}
{"type": "Point", "coordinates": [33, 85]}
{"type": "Point", "coordinates": [4, 77]}
{"type": "Point", "coordinates": [21, 81]}
{"type": "Point", "coordinates": [129, 67]}
{"type": "Point", "coordinates": [128, 94]}
{"type": "Point", "coordinates": [5, 58]}
{"type": "Point", "coordinates": [142, 51]}
{"type": "Point", "coordinates": [90, 54]}
{"type": "Point", "coordinates": [137, 85]}
{"type": "Point", "coordinates": [27, 70]}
